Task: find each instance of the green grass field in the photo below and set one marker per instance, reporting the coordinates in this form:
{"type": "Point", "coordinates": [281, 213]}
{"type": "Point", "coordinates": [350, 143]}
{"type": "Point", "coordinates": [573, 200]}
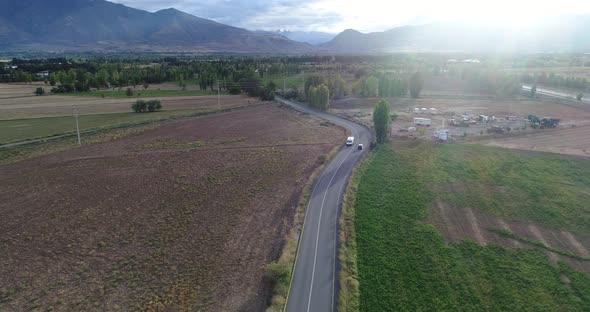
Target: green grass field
{"type": "Point", "coordinates": [405, 264]}
{"type": "Point", "coordinates": [144, 93]}
{"type": "Point", "coordinates": [24, 129]}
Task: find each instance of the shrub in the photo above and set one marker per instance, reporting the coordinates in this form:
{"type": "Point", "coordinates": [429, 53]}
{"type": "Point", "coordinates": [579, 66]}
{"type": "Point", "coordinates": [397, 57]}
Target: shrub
{"type": "Point", "coordinates": [291, 94]}
{"type": "Point", "coordinates": [579, 96]}
{"type": "Point", "coordinates": [141, 106]}
{"type": "Point", "coordinates": [154, 105]}
{"type": "Point", "coordinates": [276, 272]}
{"type": "Point", "coordinates": [234, 89]}
{"type": "Point", "coordinates": [129, 92]}
{"type": "Point", "coordinates": [40, 91]}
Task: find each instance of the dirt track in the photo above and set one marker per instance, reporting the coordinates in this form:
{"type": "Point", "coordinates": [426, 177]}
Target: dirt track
{"type": "Point", "coordinates": [457, 224]}
{"type": "Point", "coordinates": [573, 141]}
{"type": "Point", "coordinates": [181, 216]}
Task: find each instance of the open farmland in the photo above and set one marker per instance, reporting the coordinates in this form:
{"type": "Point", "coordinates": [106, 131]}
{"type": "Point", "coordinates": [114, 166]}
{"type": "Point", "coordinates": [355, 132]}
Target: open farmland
{"type": "Point", "coordinates": [463, 227]}
{"type": "Point", "coordinates": [24, 116]}
{"type": "Point", "coordinates": [180, 217]}
{"type": "Point", "coordinates": [18, 102]}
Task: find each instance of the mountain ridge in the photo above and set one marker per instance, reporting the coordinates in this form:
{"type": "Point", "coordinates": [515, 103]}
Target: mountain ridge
{"type": "Point", "coordinates": [101, 25]}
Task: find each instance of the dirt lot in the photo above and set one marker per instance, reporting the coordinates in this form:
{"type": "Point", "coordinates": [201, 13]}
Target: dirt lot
{"type": "Point", "coordinates": [457, 224]}
{"type": "Point", "coordinates": [181, 217]}
{"type": "Point", "coordinates": [17, 101]}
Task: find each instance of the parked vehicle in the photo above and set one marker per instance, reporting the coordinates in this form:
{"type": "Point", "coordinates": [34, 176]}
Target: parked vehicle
{"type": "Point", "coordinates": [423, 122]}
{"type": "Point", "coordinates": [360, 147]}
{"type": "Point", "coordinates": [496, 129]}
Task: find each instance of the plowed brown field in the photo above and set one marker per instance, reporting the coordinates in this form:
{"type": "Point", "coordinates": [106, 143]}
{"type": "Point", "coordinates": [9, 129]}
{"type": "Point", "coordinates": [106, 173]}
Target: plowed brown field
{"type": "Point", "coordinates": [181, 217]}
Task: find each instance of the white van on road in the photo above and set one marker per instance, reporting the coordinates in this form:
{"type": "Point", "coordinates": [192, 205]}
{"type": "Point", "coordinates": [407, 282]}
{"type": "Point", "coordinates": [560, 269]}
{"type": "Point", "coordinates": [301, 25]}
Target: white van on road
{"type": "Point", "coordinates": [349, 141]}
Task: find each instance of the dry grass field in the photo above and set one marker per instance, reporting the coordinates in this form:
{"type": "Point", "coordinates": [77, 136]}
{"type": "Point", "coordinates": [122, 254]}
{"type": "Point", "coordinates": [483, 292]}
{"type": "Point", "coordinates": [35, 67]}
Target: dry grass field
{"type": "Point", "coordinates": [178, 217]}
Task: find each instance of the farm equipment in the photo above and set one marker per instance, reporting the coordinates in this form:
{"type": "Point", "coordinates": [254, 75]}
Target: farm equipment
{"type": "Point", "coordinates": [550, 122]}
{"type": "Point", "coordinates": [545, 122]}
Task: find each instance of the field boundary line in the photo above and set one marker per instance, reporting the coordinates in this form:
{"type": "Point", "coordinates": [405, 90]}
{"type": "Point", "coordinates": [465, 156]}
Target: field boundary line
{"type": "Point", "coordinates": [349, 296]}
{"type": "Point", "coordinates": [59, 136]}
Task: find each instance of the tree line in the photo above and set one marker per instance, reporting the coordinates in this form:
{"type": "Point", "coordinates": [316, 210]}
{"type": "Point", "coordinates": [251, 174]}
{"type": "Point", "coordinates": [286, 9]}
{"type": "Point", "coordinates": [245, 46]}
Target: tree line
{"type": "Point", "coordinates": [487, 79]}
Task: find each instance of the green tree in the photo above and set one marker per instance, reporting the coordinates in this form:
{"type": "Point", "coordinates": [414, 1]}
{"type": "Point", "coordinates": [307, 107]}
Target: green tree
{"type": "Point", "coordinates": [337, 86]}
{"type": "Point", "coordinates": [312, 81]}
{"type": "Point", "coordinates": [580, 96]}
{"type": "Point", "coordinates": [534, 90]}
{"type": "Point", "coordinates": [52, 79]}
{"type": "Point", "coordinates": [129, 92]}
{"type": "Point", "coordinates": [416, 84]}
{"type": "Point", "coordinates": [102, 77]}
{"type": "Point", "coordinates": [371, 87]}
{"type": "Point", "coordinates": [323, 97]}
{"type": "Point", "coordinates": [114, 78]}
{"type": "Point", "coordinates": [313, 96]}
{"type": "Point", "coordinates": [381, 120]}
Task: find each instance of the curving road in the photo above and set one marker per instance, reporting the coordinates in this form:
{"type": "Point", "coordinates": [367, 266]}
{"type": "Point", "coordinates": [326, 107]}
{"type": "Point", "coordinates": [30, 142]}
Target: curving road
{"type": "Point", "coordinates": [314, 284]}
{"type": "Point", "coordinates": [554, 93]}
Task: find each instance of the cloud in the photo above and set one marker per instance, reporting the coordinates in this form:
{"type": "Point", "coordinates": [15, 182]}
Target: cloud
{"type": "Point", "coordinates": [365, 15]}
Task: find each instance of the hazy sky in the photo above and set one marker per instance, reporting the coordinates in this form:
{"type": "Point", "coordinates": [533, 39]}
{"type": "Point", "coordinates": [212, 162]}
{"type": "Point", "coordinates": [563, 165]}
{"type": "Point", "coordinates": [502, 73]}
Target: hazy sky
{"type": "Point", "coordinates": [363, 15]}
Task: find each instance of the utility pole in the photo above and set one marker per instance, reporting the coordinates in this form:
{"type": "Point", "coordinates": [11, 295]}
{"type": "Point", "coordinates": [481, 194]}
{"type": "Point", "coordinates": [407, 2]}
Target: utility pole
{"type": "Point", "coordinates": [76, 113]}
{"type": "Point", "coordinates": [284, 86]}
{"type": "Point", "coordinates": [218, 94]}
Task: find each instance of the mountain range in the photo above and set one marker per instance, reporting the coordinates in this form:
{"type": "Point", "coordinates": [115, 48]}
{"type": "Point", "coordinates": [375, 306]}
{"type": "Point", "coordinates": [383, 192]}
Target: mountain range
{"type": "Point", "coordinates": [99, 25]}
{"type": "Point", "coordinates": [103, 26]}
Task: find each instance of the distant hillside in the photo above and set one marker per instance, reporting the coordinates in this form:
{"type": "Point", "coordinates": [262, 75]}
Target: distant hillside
{"type": "Point", "coordinates": [99, 25]}
{"type": "Point", "coordinates": [311, 37]}
{"type": "Point", "coordinates": [565, 34]}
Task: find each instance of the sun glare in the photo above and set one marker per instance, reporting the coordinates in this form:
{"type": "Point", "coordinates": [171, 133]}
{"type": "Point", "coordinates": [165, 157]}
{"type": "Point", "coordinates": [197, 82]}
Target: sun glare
{"type": "Point", "coordinates": [377, 15]}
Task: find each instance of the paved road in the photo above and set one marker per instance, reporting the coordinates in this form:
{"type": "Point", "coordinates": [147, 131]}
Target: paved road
{"type": "Point", "coordinates": [314, 286]}
{"type": "Point", "coordinates": [553, 93]}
